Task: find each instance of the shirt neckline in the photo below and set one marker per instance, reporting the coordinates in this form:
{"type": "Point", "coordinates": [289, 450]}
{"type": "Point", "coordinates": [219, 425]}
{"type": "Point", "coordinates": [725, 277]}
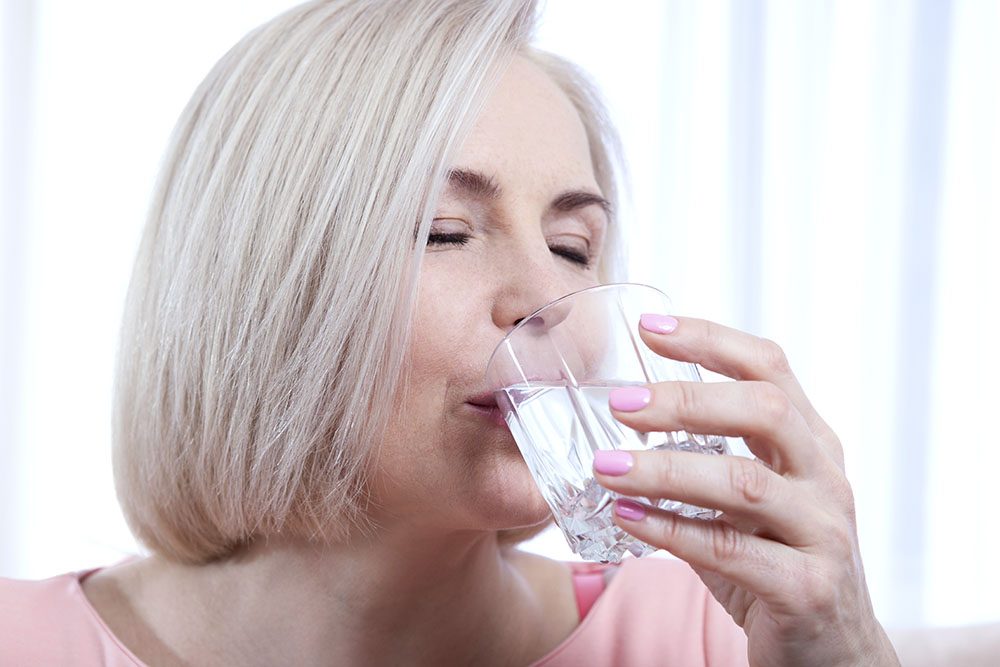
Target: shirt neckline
{"type": "Point", "coordinates": [570, 639]}
{"type": "Point", "coordinates": [610, 589]}
{"type": "Point", "coordinates": [78, 578]}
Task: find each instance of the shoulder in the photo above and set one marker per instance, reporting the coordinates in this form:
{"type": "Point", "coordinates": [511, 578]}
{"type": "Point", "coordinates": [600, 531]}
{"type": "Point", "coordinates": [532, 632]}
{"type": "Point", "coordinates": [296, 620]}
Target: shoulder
{"type": "Point", "coordinates": [49, 621]}
{"type": "Point", "coordinates": [655, 611]}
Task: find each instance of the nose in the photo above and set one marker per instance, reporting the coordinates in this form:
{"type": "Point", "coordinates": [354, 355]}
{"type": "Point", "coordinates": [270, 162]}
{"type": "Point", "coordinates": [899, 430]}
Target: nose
{"type": "Point", "coordinates": [527, 285]}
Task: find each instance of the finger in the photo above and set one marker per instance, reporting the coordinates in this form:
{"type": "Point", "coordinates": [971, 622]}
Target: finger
{"type": "Point", "coordinates": [760, 412]}
{"type": "Point", "coordinates": [735, 354]}
{"type": "Point", "coordinates": [741, 488]}
{"type": "Point", "coordinates": [760, 565]}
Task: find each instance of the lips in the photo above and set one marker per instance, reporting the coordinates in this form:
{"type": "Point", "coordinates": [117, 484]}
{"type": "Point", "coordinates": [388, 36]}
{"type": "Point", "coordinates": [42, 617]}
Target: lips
{"type": "Point", "coordinates": [485, 405]}
{"type": "Point", "coordinates": [484, 400]}
{"type": "Point", "coordinates": [487, 399]}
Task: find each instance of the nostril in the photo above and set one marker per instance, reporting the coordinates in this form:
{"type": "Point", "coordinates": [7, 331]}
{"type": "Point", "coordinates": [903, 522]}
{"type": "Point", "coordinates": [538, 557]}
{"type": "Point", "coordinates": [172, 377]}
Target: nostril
{"type": "Point", "coordinates": [534, 321]}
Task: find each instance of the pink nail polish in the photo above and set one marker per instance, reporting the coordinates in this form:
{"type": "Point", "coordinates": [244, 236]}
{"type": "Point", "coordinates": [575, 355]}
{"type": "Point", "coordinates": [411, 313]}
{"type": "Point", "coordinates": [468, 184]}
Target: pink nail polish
{"type": "Point", "coordinates": [628, 509]}
{"type": "Point", "coordinates": [629, 399]}
{"type": "Point", "coordinates": [612, 462]}
{"type": "Point", "coordinates": [661, 324]}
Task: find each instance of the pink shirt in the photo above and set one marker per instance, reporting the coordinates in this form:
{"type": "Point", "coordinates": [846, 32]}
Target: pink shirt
{"type": "Point", "coordinates": [653, 612]}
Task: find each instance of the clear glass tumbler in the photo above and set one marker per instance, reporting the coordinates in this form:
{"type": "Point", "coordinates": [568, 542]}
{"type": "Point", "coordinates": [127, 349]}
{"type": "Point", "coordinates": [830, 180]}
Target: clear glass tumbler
{"type": "Point", "coordinates": [552, 375]}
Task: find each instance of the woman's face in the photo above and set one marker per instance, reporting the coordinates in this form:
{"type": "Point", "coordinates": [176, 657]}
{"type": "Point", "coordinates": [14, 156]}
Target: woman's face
{"type": "Point", "coordinates": [520, 223]}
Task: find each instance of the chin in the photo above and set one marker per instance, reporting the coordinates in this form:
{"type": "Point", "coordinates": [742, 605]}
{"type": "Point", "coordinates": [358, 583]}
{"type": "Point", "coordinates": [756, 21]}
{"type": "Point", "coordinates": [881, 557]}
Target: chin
{"type": "Point", "coordinates": [509, 498]}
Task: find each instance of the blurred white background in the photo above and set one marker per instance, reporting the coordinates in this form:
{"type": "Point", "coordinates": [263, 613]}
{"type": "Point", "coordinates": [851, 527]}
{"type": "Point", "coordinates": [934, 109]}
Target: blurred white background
{"type": "Point", "coordinates": [826, 174]}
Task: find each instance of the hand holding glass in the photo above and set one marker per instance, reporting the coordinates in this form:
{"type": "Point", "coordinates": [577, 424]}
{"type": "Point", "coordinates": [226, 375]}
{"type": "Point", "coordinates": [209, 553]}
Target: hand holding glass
{"type": "Point", "coordinates": [554, 372]}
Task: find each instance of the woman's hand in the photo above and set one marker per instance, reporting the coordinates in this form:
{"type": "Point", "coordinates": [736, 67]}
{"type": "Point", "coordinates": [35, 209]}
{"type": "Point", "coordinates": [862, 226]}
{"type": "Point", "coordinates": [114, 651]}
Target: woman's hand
{"type": "Point", "coordinates": [783, 558]}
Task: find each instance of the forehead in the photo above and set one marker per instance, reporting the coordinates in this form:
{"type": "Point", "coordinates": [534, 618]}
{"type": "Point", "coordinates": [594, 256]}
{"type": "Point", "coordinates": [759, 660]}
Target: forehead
{"type": "Point", "coordinates": [529, 134]}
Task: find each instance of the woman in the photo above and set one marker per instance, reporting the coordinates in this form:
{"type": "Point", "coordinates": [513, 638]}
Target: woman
{"type": "Point", "coordinates": [357, 204]}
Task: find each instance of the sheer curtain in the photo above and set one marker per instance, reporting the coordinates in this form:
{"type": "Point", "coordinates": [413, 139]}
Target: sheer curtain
{"type": "Point", "coordinates": [825, 174]}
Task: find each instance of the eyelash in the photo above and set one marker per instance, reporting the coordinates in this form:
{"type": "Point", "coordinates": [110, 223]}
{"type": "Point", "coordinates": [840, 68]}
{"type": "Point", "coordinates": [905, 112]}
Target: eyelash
{"type": "Point", "coordinates": [462, 239]}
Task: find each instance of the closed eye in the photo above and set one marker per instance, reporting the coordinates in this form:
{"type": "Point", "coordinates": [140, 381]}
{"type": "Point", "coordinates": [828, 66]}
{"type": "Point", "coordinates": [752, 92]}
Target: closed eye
{"type": "Point", "coordinates": [454, 238]}
{"type": "Point", "coordinates": [458, 238]}
{"type": "Point", "coordinates": [572, 255]}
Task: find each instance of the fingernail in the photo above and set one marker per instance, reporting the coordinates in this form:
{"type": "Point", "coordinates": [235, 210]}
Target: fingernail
{"type": "Point", "coordinates": [630, 510]}
{"type": "Point", "coordinates": [629, 399]}
{"type": "Point", "coordinates": [661, 324]}
{"type": "Point", "coordinates": [612, 462]}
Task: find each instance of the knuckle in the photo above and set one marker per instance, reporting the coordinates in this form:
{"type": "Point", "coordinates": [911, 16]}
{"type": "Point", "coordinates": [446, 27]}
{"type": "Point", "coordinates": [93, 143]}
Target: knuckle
{"type": "Point", "coordinates": [686, 399]}
{"type": "Point", "coordinates": [818, 591]}
{"type": "Point", "coordinates": [836, 449]}
{"type": "Point", "coordinates": [672, 531]}
{"type": "Point", "coordinates": [772, 357]}
{"type": "Point", "coordinates": [709, 333]}
{"type": "Point", "coordinates": [668, 473]}
{"type": "Point", "coordinates": [842, 538]}
{"type": "Point", "coordinates": [727, 542]}
{"type": "Point", "coordinates": [843, 494]}
{"type": "Point", "coordinates": [751, 480]}
{"type": "Point", "coordinates": [772, 403]}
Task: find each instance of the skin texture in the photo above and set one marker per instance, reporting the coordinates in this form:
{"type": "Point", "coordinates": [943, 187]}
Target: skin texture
{"type": "Point", "coordinates": [784, 558]}
{"type": "Point", "coordinates": [432, 586]}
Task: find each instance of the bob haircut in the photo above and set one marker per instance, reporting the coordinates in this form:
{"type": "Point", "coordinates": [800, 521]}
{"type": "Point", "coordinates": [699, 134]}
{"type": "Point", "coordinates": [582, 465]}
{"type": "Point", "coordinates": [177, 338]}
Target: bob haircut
{"type": "Point", "coordinates": [279, 264]}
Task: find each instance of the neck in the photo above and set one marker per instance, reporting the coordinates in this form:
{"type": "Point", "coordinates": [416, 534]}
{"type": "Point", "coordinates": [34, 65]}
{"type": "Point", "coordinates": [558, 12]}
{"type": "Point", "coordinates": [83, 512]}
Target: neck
{"type": "Point", "coordinates": [388, 600]}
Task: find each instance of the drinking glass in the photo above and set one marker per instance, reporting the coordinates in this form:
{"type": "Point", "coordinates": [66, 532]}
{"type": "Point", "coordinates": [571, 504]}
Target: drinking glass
{"type": "Point", "coordinates": [552, 375]}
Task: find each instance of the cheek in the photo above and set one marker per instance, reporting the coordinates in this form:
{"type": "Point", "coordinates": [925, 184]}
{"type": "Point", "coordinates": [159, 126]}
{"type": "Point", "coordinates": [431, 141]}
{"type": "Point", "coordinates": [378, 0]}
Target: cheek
{"type": "Point", "coordinates": [433, 449]}
{"type": "Point", "coordinates": [441, 359]}
{"type": "Point", "coordinates": [450, 310]}
{"type": "Point", "coordinates": [438, 326]}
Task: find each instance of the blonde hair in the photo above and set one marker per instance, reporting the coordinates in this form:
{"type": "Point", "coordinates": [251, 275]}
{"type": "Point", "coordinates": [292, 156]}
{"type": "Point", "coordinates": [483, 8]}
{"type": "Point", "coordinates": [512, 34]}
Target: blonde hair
{"type": "Point", "coordinates": [271, 298]}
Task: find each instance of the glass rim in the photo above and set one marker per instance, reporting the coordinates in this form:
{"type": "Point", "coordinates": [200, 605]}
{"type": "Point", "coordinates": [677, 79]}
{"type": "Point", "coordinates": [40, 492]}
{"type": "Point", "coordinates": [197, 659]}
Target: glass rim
{"type": "Point", "coordinates": [550, 304]}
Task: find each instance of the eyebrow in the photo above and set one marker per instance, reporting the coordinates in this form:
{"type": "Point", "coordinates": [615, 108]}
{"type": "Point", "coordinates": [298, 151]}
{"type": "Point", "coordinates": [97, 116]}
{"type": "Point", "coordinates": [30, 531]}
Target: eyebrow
{"type": "Point", "coordinates": [480, 186]}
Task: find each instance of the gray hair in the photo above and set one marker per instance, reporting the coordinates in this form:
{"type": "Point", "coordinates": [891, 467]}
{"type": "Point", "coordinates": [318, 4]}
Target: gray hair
{"type": "Point", "coordinates": [270, 302]}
